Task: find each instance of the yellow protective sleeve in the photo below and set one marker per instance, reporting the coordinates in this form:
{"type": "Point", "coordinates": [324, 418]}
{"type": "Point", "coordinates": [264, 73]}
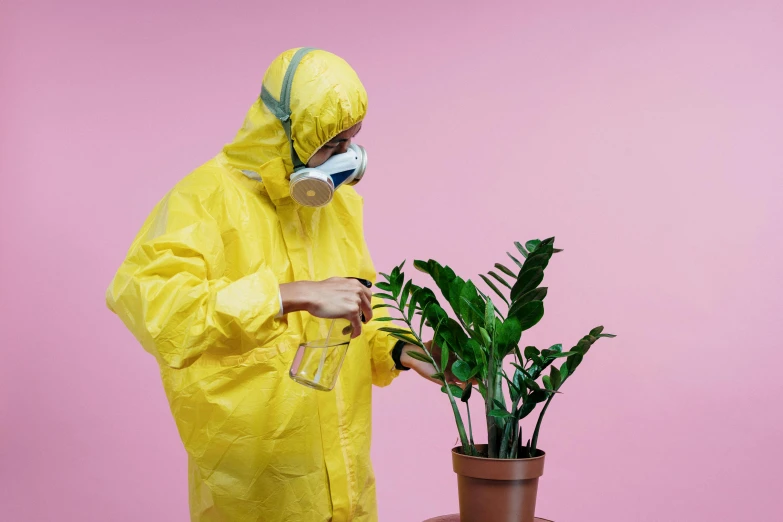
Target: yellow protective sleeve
{"type": "Point", "coordinates": [172, 293]}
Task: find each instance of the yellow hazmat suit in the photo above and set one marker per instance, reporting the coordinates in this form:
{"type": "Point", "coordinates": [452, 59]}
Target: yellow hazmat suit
{"type": "Point", "coordinates": [199, 290]}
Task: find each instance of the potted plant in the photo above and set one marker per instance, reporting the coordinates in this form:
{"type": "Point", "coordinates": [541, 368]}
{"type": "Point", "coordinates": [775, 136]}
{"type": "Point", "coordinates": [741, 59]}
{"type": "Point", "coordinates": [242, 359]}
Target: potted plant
{"type": "Point", "coordinates": [479, 343]}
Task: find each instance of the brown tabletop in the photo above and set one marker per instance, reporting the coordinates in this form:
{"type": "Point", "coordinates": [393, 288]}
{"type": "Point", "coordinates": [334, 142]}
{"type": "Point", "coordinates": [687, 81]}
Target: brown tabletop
{"type": "Point", "coordinates": [455, 518]}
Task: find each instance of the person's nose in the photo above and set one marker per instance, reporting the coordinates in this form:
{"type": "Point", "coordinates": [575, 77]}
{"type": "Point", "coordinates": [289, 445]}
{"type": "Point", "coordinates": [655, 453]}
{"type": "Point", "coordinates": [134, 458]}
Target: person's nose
{"type": "Point", "coordinates": [344, 146]}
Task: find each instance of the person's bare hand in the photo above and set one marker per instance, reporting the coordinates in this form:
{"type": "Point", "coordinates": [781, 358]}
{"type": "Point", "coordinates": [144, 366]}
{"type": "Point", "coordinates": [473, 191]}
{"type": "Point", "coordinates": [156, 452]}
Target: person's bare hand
{"type": "Point", "coordinates": [334, 298]}
{"type": "Point", "coordinates": [426, 369]}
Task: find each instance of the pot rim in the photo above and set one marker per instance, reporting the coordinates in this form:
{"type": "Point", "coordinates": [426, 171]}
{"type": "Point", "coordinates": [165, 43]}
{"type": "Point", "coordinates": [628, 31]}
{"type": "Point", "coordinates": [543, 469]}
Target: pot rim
{"type": "Point", "coordinates": [455, 450]}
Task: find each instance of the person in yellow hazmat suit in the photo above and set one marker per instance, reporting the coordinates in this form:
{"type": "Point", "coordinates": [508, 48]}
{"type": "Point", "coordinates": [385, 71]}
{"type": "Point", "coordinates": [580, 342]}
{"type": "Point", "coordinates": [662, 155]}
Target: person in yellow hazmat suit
{"type": "Point", "coordinates": [220, 281]}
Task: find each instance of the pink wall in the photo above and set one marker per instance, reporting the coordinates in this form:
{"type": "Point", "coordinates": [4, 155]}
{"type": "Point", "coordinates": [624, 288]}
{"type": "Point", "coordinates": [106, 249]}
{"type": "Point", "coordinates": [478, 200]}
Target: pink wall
{"type": "Point", "coordinates": [645, 135]}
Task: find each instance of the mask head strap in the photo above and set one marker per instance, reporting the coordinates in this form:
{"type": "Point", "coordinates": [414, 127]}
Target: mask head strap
{"type": "Point", "coordinates": [282, 108]}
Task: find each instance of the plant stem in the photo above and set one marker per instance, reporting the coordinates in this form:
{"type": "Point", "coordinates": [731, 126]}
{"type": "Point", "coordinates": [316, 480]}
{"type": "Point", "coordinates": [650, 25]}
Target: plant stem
{"type": "Point", "coordinates": [504, 449]}
{"type": "Point", "coordinates": [534, 444]}
{"type": "Point", "coordinates": [507, 449]}
{"type": "Point", "coordinates": [470, 426]}
{"type": "Point", "coordinates": [466, 447]}
{"type": "Point", "coordinates": [492, 427]}
{"type": "Point", "coordinates": [518, 353]}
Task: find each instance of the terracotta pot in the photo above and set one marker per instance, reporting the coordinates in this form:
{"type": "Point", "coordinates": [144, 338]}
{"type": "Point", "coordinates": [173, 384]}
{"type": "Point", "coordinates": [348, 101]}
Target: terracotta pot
{"type": "Point", "coordinates": [497, 490]}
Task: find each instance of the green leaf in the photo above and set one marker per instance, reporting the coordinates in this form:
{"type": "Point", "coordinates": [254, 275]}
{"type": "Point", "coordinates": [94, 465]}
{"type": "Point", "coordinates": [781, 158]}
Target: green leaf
{"type": "Point", "coordinates": [479, 355]}
{"type": "Point", "coordinates": [537, 396]}
{"type": "Point", "coordinates": [508, 335]}
{"type": "Point", "coordinates": [409, 340]}
{"type": "Point", "coordinates": [553, 356]}
{"type": "Point", "coordinates": [530, 314]}
{"type": "Point", "coordinates": [412, 304]}
{"type": "Point", "coordinates": [485, 336]}
{"type": "Point", "coordinates": [522, 250]}
{"type": "Point", "coordinates": [423, 316]}
{"type": "Point", "coordinates": [489, 316]}
{"type": "Point", "coordinates": [527, 281]}
{"type": "Point", "coordinates": [385, 276]}
{"type": "Point", "coordinates": [519, 378]}
{"type": "Point", "coordinates": [532, 245]}
{"type": "Point", "coordinates": [438, 375]}
{"type": "Point", "coordinates": [552, 351]}
{"type": "Point", "coordinates": [421, 266]}
{"type": "Point", "coordinates": [547, 382]}
{"type": "Point", "coordinates": [466, 309]}
{"type": "Point", "coordinates": [385, 296]}
{"type": "Point", "coordinates": [444, 356]}
{"type": "Point", "coordinates": [573, 362]}
{"type": "Point", "coordinates": [525, 410]}
{"type": "Point", "coordinates": [461, 370]}
{"type": "Point", "coordinates": [445, 279]}
{"type": "Point", "coordinates": [384, 319]}
{"type": "Point", "coordinates": [500, 414]}
{"type": "Point", "coordinates": [494, 288]}
{"type": "Point", "coordinates": [470, 292]}
{"type": "Point", "coordinates": [538, 366]}
{"type": "Point", "coordinates": [456, 391]}
{"type": "Point", "coordinates": [611, 336]}
{"type": "Point", "coordinates": [533, 385]}
{"type": "Point", "coordinates": [536, 294]}
{"type": "Point", "coordinates": [563, 372]}
{"type": "Point", "coordinates": [515, 260]}
{"type": "Point", "coordinates": [384, 305]}
{"type": "Point", "coordinates": [506, 271]}
{"type": "Point", "coordinates": [538, 261]}
{"type": "Point", "coordinates": [397, 285]}
{"type": "Point", "coordinates": [582, 346]}
{"type": "Point", "coordinates": [531, 351]}
{"type": "Point", "coordinates": [500, 279]}
{"type": "Point", "coordinates": [541, 256]}
{"type": "Point", "coordinates": [390, 329]}
{"type": "Point", "coordinates": [595, 332]}
{"type": "Point", "coordinates": [519, 368]}
{"type": "Point", "coordinates": [386, 287]}
{"type": "Point", "coordinates": [406, 290]}
{"type": "Point", "coordinates": [554, 375]}
{"type": "Point", "coordinates": [514, 391]}
{"type": "Point", "coordinates": [418, 356]}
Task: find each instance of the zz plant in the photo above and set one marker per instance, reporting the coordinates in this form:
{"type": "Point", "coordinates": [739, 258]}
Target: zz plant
{"type": "Point", "coordinates": [477, 339]}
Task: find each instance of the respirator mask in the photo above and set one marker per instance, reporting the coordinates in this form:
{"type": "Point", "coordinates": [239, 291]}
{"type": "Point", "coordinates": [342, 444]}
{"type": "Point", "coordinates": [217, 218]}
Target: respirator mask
{"type": "Point", "coordinates": [313, 187]}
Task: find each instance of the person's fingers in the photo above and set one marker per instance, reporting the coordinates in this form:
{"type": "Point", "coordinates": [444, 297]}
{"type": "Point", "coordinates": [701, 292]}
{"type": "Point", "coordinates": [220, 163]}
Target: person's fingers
{"type": "Point", "coordinates": [356, 323]}
{"type": "Point", "coordinates": [355, 316]}
{"type": "Point", "coordinates": [366, 306]}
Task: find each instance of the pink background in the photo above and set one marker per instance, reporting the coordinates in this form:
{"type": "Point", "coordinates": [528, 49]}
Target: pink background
{"type": "Point", "coordinates": [645, 135]}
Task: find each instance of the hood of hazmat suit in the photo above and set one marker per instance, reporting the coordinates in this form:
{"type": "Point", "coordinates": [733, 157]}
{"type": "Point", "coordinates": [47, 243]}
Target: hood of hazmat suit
{"type": "Point", "coordinates": [199, 291]}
